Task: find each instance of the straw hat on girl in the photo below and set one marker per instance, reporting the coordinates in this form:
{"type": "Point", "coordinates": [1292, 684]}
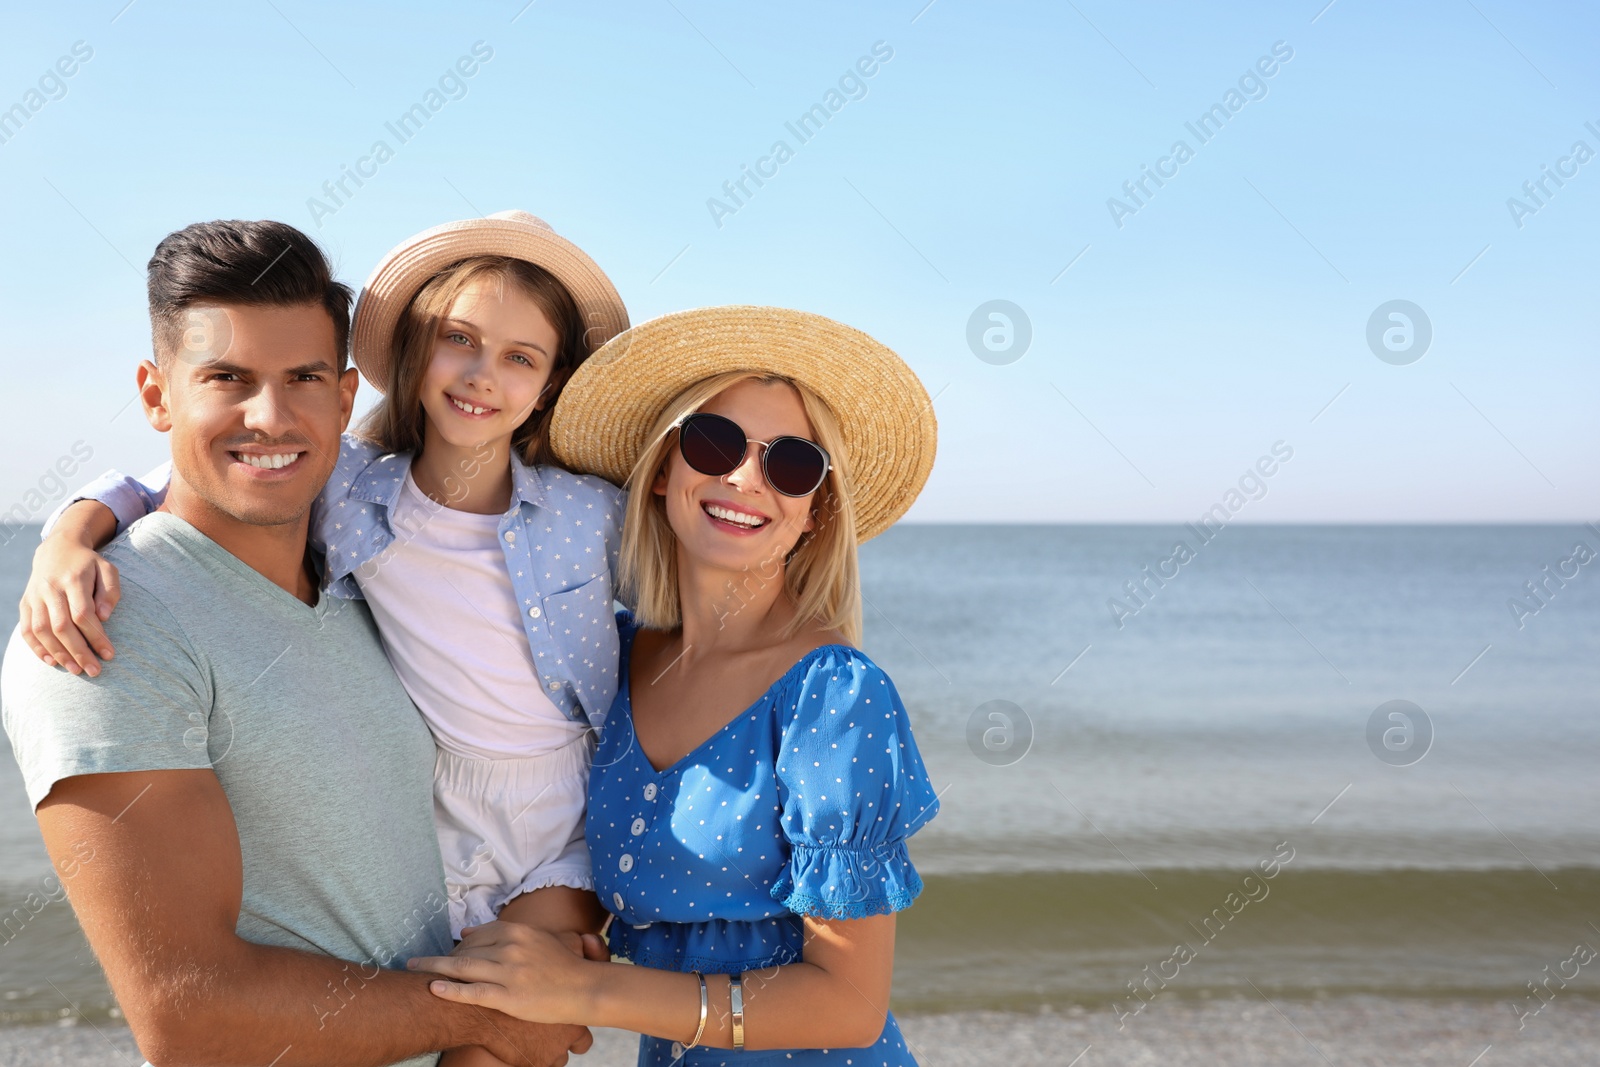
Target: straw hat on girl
{"type": "Point", "coordinates": [883, 410]}
{"type": "Point", "coordinates": [515, 234]}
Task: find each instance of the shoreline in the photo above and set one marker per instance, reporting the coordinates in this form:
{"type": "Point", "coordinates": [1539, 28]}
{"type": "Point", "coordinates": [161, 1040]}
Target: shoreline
{"type": "Point", "coordinates": [1351, 1031]}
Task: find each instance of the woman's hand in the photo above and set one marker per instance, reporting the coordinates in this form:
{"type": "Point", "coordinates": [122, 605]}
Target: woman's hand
{"type": "Point", "coordinates": [528, 973]}
{"type": "Point", "coordinates": [70, 593]}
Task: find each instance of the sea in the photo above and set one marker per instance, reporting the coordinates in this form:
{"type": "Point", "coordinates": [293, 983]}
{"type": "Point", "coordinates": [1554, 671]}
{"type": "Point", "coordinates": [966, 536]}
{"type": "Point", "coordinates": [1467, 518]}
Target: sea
{"type": "Point", "coordinates": [1293, 761]}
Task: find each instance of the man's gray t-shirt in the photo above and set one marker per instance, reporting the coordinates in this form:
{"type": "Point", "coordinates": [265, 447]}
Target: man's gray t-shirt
{"type": "Point", "coordinates": [326, 763]}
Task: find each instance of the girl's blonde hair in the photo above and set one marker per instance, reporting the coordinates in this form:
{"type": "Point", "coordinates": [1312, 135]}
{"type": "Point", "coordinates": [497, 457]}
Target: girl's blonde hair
{"type": "Point", "coordinates": [398, 424]}
{"type": "Point", "coordinates": [820, 575]}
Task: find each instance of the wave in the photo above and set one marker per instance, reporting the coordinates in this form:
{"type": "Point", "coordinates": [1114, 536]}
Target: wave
{"type": "Point", "coordinates": [1114, 940]}
{"type": "Point", "coordinates": [1099, 938]}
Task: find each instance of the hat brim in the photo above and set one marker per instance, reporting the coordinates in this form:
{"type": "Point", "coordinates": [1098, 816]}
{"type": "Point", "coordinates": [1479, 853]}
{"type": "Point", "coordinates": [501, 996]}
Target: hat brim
{"type": "Point", "coordinates": [605, 412]}
{"type": "Point", "coordinates": [408, 266]}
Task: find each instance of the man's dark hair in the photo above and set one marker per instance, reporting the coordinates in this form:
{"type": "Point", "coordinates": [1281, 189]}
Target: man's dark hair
{"type": "Point", "coordinates": [260, 264]}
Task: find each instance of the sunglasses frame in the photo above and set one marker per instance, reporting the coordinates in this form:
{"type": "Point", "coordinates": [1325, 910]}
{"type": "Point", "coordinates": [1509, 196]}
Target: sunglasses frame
{"type": "Point", "coordinates": [766, 448]}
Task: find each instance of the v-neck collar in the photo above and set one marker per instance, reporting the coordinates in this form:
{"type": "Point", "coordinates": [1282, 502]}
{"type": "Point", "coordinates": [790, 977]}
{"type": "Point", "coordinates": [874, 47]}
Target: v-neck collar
{"type": "Point", "coordinates": [625, 692]}
{"type": "Point", "coordinates": [191, 537]}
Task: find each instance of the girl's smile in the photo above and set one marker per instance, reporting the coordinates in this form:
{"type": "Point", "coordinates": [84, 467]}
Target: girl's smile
{"type": "Point", "coordinates": [470, 409]}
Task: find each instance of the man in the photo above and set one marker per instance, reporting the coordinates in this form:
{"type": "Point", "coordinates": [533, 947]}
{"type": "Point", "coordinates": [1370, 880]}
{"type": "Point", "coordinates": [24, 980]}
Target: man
{"type": "Point", "coordinates": [240, 802]}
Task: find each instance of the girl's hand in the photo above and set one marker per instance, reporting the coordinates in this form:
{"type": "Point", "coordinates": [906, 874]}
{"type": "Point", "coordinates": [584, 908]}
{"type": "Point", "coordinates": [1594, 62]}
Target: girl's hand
{"type": "Point", "coordinates": [528, 973]}
{"type": "Point", "coordinates": [70, 593]}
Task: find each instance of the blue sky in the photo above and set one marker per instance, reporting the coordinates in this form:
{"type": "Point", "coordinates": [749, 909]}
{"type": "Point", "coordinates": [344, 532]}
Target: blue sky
{"type": "Point", "coordinates": [1227, 313]}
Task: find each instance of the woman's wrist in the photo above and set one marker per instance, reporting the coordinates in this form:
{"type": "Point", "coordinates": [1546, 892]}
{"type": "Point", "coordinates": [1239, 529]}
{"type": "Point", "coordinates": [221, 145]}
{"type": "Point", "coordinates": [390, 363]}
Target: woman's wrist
{"type": "Point", "coordinates": [593, 994]}
{"type": "Point", "coordinates": [623, 996]}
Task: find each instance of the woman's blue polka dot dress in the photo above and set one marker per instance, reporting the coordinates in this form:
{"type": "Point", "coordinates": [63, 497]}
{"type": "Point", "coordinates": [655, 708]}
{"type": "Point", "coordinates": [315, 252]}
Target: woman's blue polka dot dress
{"type": "Point", "coordinates": [801, 805]}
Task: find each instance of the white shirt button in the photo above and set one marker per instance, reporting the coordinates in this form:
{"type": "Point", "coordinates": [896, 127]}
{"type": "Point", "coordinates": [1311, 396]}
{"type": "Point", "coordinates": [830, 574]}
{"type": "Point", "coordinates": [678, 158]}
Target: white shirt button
{"type": "Point", "coordinates": [511, 535]}
{"type": "Point", "coordinates": [616, 898]}
{"type": "Point", "coordinates": [552, 684]}
{"type": "Point", "coordinates": [649, 790]}
{"type": "Point", "coordinates": [638, 827]}
{"type": "Point", "coordinates": [626, 863]}
{"type": "Point", "coordinates": [534, 612]}
{"type": "Point", "coordinates": [677, 1050]}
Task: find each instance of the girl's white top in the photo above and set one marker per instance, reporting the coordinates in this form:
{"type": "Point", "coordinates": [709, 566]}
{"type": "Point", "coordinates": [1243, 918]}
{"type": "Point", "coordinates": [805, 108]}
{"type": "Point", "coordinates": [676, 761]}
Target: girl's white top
{"type": "Point", "coordinates": [451, 627]}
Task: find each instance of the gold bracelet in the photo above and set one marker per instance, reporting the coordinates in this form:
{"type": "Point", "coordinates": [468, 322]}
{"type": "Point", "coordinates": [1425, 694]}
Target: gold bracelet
{"type": "Point", "coordinates": [701, 1029]}
{"type": "Point", "coordinates": [736, 1008]}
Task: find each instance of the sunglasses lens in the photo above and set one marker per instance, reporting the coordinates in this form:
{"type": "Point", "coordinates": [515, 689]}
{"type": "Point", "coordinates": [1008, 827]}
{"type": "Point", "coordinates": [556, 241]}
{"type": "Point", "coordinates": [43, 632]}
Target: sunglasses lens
{"type": "Point", "coordinates": [795, 466]}
{"type": "Point", "coordinates": [711, 444]}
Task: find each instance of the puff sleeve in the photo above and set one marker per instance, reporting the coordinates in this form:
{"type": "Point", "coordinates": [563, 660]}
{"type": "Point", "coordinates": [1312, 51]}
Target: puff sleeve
{"type": "Point", "coordinates": [851, 788]}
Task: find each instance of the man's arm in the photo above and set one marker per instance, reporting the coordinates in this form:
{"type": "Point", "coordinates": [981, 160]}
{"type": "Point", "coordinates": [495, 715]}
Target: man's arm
{"type": "Point", "coordinates": [152, 865]}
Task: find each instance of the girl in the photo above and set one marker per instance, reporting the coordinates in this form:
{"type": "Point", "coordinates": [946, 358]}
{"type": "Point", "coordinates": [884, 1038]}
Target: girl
{"type": "Point", "coordinates": [749, 829]}
{"type": "Point", "coordinates": [486, 567]}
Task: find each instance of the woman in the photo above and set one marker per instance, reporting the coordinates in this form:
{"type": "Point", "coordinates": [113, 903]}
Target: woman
{"type": "Point", "coordinates": [757, 779]}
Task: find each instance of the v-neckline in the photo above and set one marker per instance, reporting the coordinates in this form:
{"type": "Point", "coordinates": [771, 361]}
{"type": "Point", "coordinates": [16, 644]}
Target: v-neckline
{"type": "Point", "coordinates": [266, 586]}
{"type": "Point", "coordinates": [626, 665]}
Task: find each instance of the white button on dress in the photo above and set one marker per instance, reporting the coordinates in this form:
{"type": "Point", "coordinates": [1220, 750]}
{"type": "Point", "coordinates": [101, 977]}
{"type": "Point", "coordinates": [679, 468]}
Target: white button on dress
{"type": "Point", "coordinates": [649, 790]}
{"type": "Point", "coordinates": [637, 827]}
{"type": "Point", "coordinates": [625, 864]}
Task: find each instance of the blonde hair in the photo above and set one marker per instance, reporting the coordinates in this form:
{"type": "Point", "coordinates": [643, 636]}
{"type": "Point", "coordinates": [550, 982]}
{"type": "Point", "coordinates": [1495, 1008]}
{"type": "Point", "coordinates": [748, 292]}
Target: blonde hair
{"type": "Point", "coordinates": [397, 424]}
{"type": "Point", "coordinates": [821, 575]}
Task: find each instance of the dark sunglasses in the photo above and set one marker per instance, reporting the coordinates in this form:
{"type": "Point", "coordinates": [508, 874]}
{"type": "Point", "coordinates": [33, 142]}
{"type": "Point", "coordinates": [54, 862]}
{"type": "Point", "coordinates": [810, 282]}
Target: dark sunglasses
{"type": "Point", "coordinates": [715, 445]}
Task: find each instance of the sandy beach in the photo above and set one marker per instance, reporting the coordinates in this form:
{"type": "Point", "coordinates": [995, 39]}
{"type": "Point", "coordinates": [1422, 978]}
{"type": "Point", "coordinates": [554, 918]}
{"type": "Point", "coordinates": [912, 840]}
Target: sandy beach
{"type": "Point", "coordinates": [1347, 1031]}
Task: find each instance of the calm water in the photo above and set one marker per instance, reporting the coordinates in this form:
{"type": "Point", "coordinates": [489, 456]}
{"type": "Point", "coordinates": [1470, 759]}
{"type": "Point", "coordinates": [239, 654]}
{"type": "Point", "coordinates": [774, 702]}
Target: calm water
{"type": "Point", "coordinates": [1142, 770]}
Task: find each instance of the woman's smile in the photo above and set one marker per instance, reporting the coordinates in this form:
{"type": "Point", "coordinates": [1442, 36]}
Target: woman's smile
{"type": "Point", "coordinates": [733, 518]}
